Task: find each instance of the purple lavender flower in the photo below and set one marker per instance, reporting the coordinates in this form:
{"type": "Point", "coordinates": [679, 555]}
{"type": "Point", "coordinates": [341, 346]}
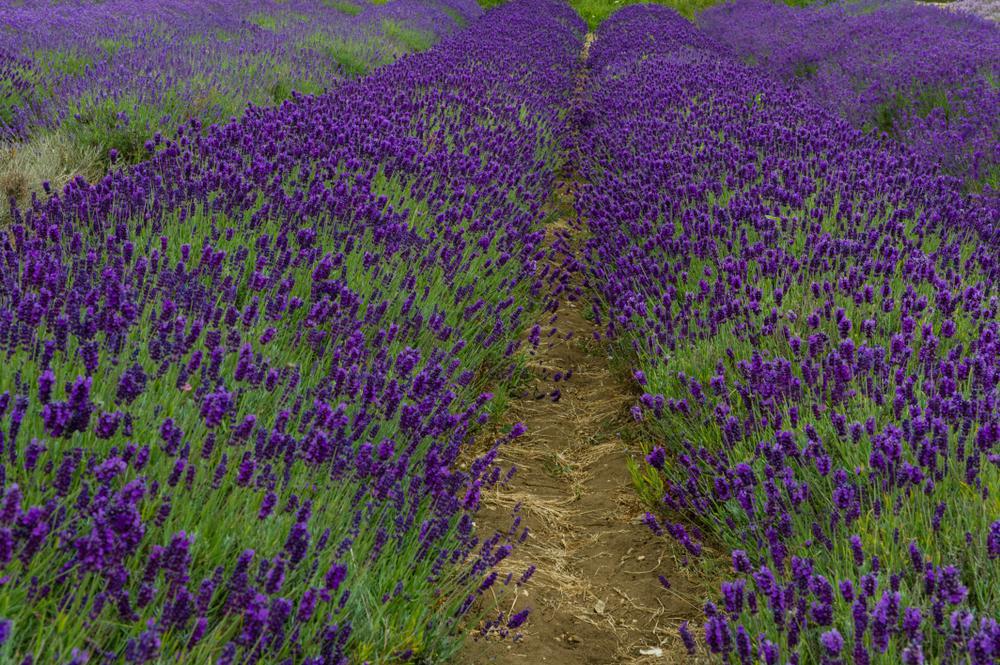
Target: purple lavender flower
{"type": "Point", "coordinates": [518, 619]}
{"type": "Point", "coordinates": [993, 541]}
{"type": "Point", "coordinates": [656, 457]}
{"type": "Point", "coordinates": [832, 641]}
{"type": "Point", "coordinates": [335, 576]}
{"type": "Point", "coordinates": [215, 407]}
{"type": "Point", "coordinates": [687, 638]}
{"type": "Point", "coordinates": [856, 549]}
{"type": "Point", "coordinates": [717, 635]}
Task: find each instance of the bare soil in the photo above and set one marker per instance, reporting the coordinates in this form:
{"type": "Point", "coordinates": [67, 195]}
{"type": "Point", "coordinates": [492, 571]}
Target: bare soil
{"type": "Point", "coordinates": [595, 597]}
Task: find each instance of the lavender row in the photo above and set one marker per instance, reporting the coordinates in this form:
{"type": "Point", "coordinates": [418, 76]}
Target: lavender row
{"type": "Point", "coordinates": [238, 377]}
{"type": "Point", "coordinates": [813, 314]}
{"type": "Point", "coordinates": [118, 71]}
{"type": "Point", "coordinates": [926, 76]}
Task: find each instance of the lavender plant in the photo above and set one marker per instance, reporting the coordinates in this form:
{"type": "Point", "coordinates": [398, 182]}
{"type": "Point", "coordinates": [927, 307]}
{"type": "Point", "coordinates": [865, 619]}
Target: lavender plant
{"type": "Point", "coordinates": [925, 76]}
{"type": "Point", "coordinates": [239, 376]}
{"type": "Point", "coordinates": [813, 316]}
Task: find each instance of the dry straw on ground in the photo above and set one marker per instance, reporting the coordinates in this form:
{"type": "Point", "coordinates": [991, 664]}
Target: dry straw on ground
{"type": "Point", "coordinates": [50, 157]}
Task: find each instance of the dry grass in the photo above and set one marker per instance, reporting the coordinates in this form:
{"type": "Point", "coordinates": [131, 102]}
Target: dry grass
{"type": "Point", "coordinates": [51, 157]}
{"type": "Point", "coordinates": [563, 546]}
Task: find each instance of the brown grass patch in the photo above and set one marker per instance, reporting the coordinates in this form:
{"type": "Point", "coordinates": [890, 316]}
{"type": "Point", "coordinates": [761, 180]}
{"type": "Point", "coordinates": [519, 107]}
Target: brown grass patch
{"type": "Point", "coordinates": [48, 157]}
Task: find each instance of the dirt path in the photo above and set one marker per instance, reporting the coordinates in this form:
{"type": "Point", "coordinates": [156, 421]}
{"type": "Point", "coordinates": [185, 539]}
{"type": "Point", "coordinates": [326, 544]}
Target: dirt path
{"type": "Point", "coordinates": [595, 597]}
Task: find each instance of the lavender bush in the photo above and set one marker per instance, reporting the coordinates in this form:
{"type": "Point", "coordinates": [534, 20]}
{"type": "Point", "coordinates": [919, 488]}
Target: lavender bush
{"type": "Point", "coordinates": [813, 314]}
{"type": "Point", "coordinates": [925, 76]}
{"type": "Point", "coordinates": [238, 377]}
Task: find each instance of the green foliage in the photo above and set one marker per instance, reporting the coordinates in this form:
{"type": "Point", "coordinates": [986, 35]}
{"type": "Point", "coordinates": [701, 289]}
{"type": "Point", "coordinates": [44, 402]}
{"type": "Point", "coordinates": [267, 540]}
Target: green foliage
{"type": "Point", "coordinates": [218, 35]}
{"type": "Point", "coordinates": [12, 98]}
{"type": "Point", "coordinates": [274, 22]}
{"type": "Point", "coordinates": [410, 39]}
{"type": "Point", "coordinates": [890, 117]}
{"type": "Point", "coordinates": [265, 21]}
{"type": "Point", "coordinates": [454, 15]}
{"type": "Point", "coordinates": [343, 6]}
{"type": "Point", "coordinates": [806, 70]}
{"type": "Point", "coordinates": [125, 123]}
{"type": "Point", "coordinates": [283, 88]}
{"type": "Point", "coordinates": [106, 124]}
{"type": "Point", "coordinates": [353, 57]}
{"type": "Point", "coordinates": [61, 62]}
{"type": "Point", "coordinates": [594, 12]}
{"type": "Point", "coordinates": [113, 46]}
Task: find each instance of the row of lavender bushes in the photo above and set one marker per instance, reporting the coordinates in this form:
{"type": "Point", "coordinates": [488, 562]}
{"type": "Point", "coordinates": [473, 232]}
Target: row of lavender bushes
{"type": "Point", "coordinates": [923, 75]}
{"type": "Point", "coordinates": [115, 73]}
{"type": "Point", "coordinates": [814, 318]}
{"type": "Point", "coordinates": [80, 79]}
{"type": "Point", "coordinates": [238, 377]}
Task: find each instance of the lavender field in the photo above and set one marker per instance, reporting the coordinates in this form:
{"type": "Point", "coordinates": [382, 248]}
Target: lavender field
{"type": "Point", "coordinates": [342, 332]}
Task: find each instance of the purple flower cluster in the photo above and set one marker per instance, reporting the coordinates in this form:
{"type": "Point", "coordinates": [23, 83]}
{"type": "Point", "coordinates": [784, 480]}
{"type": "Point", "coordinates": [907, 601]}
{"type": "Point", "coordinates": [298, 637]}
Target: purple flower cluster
{"type": "Point", "coordinates": [924, 75]}
{"type": "Point", "coordinates": [238, 376]}
{"type": "Point", "coordinates": [814, 317]}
